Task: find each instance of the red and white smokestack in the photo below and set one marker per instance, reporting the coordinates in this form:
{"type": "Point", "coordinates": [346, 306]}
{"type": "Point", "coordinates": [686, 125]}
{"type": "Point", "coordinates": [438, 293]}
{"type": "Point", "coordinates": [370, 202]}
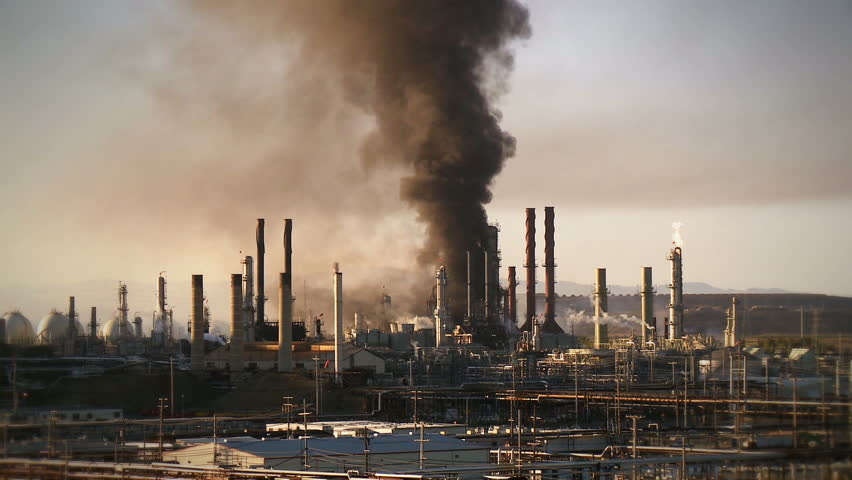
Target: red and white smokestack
{"type": "Point", "coordinates": [285, 303]}
{"type": "Point", "coordinates": [647, 305]}
{"type": "Point", "coordinates": [530, 264]}
{"type": "Point", "coordinates": [338, 321]}
{"type": "Point", "coordinates": [676, 286]}
{"type": "Point", "coordinates": [549, 267]}
{"type": "Point", "coordinates": [237, 334]}
{"type": "Point", "coordinates": [440, 304]}
{"type": "Point", "coordinates": [261, 252]}
{"type": "Point", "coordinates": [513, 300]}
{"type": "Point", "coordinates": [196, 358]}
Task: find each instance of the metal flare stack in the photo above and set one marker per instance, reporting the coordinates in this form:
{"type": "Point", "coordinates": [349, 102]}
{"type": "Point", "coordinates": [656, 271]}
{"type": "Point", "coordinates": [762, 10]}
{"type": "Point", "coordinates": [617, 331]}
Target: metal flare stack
{"type": "Point", "coordinates": [675, 327]}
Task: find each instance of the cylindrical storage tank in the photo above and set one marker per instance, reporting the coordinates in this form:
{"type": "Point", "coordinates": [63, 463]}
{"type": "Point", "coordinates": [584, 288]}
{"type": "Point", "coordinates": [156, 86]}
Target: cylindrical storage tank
{"type": "Point", "coordinates": [196, 358]}
{"type": "Point", "coordinates": [237, 335]}
{"type": "Point", "coordinates": [19, 330]}
{"type": "Point", "coordinates": [53, 328]}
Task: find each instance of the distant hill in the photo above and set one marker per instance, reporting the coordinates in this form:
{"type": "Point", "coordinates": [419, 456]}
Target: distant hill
{"type": "Point", "coordinates": [573, 288]}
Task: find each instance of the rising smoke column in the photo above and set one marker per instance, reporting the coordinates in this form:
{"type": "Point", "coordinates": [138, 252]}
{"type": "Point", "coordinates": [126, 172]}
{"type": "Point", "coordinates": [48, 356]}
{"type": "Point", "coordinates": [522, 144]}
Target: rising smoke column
{"type": "Point", "coordinates": [427, 72]}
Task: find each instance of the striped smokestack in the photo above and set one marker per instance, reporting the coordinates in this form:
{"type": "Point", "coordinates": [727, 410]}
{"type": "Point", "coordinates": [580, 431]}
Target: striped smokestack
{"type": "Point", "coordinates": [549, 267]}
{"type": "Point", "coordinates": [513, 300]}
{"type": "Point", "coordinates": [530, 265]}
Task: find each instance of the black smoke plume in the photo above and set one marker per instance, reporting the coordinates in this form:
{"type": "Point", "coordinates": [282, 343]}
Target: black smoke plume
{"type": "Point", "coordinates": [427, 72]}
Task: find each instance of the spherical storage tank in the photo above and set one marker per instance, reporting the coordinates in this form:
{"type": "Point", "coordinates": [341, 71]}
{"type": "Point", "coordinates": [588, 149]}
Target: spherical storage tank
{"type": "Point", "coordinates": [53, 328]}
{"type": "Point", "coordinates": [19, 330]}
{"type": "Point", "coordinates": [115, 330]}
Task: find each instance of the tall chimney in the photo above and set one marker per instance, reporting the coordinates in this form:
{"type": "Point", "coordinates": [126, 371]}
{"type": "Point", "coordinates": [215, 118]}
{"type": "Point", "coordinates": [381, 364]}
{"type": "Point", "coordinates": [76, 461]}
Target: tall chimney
{"type": "Point", "coordinates": [647, 304]}
{"type": "Point", "coordinates": [93, 324]}
{"type": "Point", "coordinates": [2, 330]}
{"type": "Point", "coordinates": [676, 286]}
{"type": "Point", "coordinates": [549, 267]}
{"type": "Point", "coordinates": [165, 327]}
{"type": "Point", "coordinates": [440, 304]}
{"type": "Point", "coordinates": [469, 292]}
{"type": "Point", "coordinates": [71, 335]}
{"type": "Point", "coordinates": [338, 321]}
{"type": "Point", "coordinates": [261, 251]}
{"type": "Point", "coordinates": [248, 298]}
{"type": "Point", "coordinates": [513, 300]}
{"type": "Point", "coordinates": [285, 303]}
{"type": "Point", "coordinates": [600, 307]}
{"type": "Point", "coordinates": [530, 265]}
{"type": "Point", "coordinates": [196, 358]}
{"type": "Point", "coordinates": [237, 335]}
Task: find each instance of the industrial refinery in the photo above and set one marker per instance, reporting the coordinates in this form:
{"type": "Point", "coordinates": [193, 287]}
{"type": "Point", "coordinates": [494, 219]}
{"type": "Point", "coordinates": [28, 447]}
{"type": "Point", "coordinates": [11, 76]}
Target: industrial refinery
{"type": "Point", "coordinates": [425, 240]}
{"type": "Point", "coordinates": [513, 395]}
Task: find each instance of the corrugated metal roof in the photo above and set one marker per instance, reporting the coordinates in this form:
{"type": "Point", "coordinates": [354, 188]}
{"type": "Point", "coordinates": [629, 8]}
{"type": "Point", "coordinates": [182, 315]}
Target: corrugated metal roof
{"type": "Point", "coordinates": [383, 444]}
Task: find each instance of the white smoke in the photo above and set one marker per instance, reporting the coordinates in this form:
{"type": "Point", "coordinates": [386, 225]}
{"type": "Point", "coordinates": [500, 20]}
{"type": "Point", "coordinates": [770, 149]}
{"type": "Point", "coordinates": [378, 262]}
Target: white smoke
{"type": "Point", "coordinates": [583, 323]}
{"type": "Point", "coordinates": [419, 322]}
{"type": "Point", "coordinates": [677, 239]}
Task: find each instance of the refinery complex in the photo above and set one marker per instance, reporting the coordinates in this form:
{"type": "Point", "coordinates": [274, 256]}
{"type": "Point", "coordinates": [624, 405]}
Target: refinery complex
{"type": "Point", "coordinates": [483, 390]}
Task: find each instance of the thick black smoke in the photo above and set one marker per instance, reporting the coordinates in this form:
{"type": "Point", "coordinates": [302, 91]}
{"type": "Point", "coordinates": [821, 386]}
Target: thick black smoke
{"type": "Point", "coordinates": [427, 73]}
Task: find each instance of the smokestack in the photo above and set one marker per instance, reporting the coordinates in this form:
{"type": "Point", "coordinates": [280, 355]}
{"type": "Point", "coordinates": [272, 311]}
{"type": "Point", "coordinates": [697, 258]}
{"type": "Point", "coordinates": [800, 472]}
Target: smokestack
{"type": "Point", "coordinates": [513, 299]}
{"type": "Point", "coordinates": [285, 303]}
{"type": "Point", "coordinates": [261, 292]}
{"type": "Point", "coordinates": [647, 304]}
{"type": "Point", "coordinates": [492, 274]}
{"type": "Point", "coordinates": [731, 329]}
{"type": "Point", "coordinates": [237, 334]}
{"type": "Point", "coordinates": [469, 317]}
{"type": "Point", "coordinates": [71, 335]}
{"type": "Point", "coordinates": [137, 324]}
{"type": "Point", "coordinates": [161, 294]}
{"type": "Point", "coordinates": [549, 267]}
{"type": "Point", "coordinates": [338, 321]}
{"type": "Point", "coordinates": [600, 307]}
{"type": "Point", "coordinates": [2, 330]}
{"type": "Point", "coordinates": [248, 298]}
{"type": "Point", "coordinates": [676, 286]}
{"type": "Point", "coordinates": [93, 324]}
{"type": "Point", "coordinates": [197, 324]}
{"type": "Point", "coordinates": [440, 304]}
{"type": "Point", "coordinates": [530, 265]}
{"type": "Point", "coordinates": [165, 324]}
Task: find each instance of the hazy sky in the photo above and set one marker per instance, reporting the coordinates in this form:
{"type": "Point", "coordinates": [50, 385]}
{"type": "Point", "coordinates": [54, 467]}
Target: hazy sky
{"type": "Point", "coordinates": [136, 138]}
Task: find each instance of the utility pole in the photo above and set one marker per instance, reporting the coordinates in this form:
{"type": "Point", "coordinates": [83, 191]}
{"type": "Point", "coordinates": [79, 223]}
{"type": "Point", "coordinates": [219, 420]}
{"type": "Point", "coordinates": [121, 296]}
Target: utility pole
{"type": "Point", "coordinates": [766, 376]}
{"type": "Point", "coordinates": [215, 439]}
{"type": "Point", "coordinates": [422, 442]}
{"type": "Point", "coordinates": [51, 426]}
{"type": "Point", "coordinates": [172, 382]}
{"type": "Point", "coordinates": [367, 452]}
{"type": "Point", "coordinates": [163, 405]}
{"type": "Point", "coordinates": [15, 386]}
{"type": "Point", "coordinates": [305, 437]}
{"type": "Point", "coordinates": [316, 383]}
{"type": "Point", "coordinates": [287, 407]}
{"type": "Point", "coordinates": [576, 395]}
{"type": "Point", "coordinates": [795, 415]}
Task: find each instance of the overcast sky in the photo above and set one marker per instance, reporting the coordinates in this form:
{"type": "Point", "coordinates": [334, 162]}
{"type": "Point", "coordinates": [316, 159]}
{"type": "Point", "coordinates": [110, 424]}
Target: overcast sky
{"type": "Point", "coordinates": [731, 117]}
